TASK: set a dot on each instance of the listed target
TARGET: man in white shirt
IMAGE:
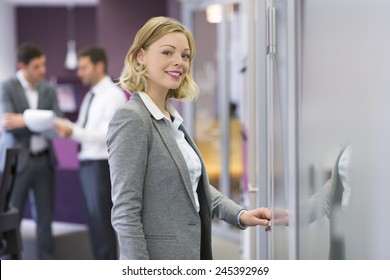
(36, 160)
(90, 130)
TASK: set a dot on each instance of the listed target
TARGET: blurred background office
(303, 77)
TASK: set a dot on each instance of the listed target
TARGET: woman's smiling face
(167, 61)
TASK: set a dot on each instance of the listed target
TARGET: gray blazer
(13, 100)
(154, 211)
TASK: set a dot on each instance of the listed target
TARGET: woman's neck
(160, 100)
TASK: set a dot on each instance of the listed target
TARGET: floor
(224, 249)
(225, 242)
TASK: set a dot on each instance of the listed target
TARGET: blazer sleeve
(7, 105)
(127, 143)
(5, 102)
(320, 202)
(224, 208)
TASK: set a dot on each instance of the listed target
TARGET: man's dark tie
(86, 115)
(87, 111)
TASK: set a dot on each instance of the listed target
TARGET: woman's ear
(141, 56)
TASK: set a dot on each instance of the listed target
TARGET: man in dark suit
(36, 160)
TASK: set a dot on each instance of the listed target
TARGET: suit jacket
(13, 100)
(154, 212)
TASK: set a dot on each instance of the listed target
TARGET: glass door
(344, 97)
(280, 130)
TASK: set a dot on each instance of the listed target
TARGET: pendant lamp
(71, 54)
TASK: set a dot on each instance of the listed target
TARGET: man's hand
(12, 121)
(62, 127)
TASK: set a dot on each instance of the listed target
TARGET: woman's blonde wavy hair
(134, 77)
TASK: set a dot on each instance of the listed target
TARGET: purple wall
(112, 24)
(117, 23)
(48, 27)
(174, 9)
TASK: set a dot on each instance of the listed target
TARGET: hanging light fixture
(71, 54)
(214, 13)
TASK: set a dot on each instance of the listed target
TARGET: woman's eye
(186, 56)
(168, 53)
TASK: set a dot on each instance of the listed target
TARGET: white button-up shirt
(191, 158)
(108, 97)
(38, 143)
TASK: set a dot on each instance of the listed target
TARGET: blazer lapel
(176, 155)
(21, 97)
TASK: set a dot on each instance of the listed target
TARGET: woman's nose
(177, 60)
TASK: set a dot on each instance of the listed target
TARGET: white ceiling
(52, 2)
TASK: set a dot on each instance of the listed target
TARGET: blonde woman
(163, 202)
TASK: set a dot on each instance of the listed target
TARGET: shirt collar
(155, 111)
(25, 84)
(99, 87)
